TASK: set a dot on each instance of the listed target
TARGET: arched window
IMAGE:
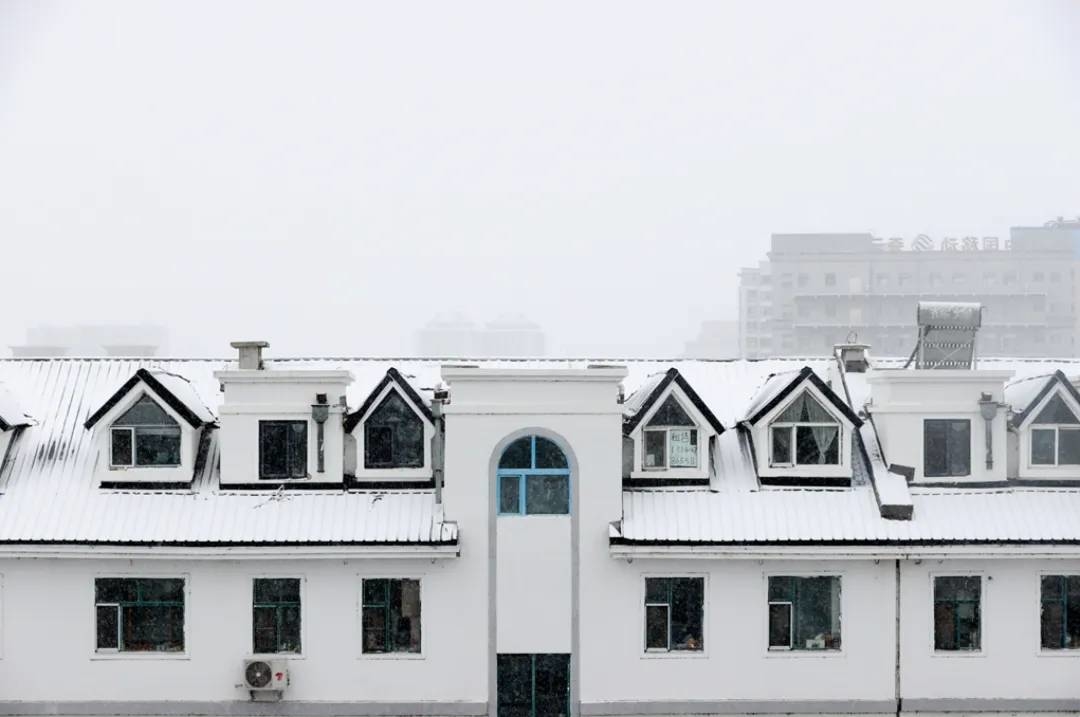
(533, 478)
(145, 436)
(805, 434)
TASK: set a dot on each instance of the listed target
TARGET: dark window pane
(960, 448)
(1068, 447)
(547, 495)
(374, 629)
(671, 413)
(944, 626)
(297, 449)
(687, 598)
(153, 628)
(107, 638)
(510, 494)
(161, 589)
(967, 626)
(405, 615)
(781, 445)
(264, 629)
(282, 449)
(375, 592)
(115, 590)
(657, 590)
(549, 455)
(946, 448)
(121, 447)
(817, 614)
(1052, 619)
(656, 627)
(1043, 449)
(817, 445)
(514, 685)
(378, 446)
(157, 446)
(781, 588)
(1056, 411)
(289, 639)
(145, 412)
(518, 454)
(396, 435)
(805, 409)
(779, 624)
(655, 449)
(956, 612)
(552, 685)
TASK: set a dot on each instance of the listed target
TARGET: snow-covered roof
(175, 390)
(12, 413)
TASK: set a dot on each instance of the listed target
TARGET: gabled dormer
(148, 431)
(1046, 423)
(667, 431)
(389, 437)
(801, 431)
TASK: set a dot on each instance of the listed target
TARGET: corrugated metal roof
(11, 410)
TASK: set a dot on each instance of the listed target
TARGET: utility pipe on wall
(437, 443)
(320, 411)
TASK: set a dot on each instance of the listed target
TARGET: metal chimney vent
(946, 334)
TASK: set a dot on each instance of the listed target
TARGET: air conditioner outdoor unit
(264, 677)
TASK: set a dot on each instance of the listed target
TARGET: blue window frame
(533, 478)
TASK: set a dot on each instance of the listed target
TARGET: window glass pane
(264, 629)
(547, 495)
(374, 629)
(1042, 447)
(115, 590)
(1056, 411)
(510, 494)
(944, 626)
(272, 456)
(1052, 614)
(157, 446)
(552, 685)
(817, 445)
(655, 448)
(687, 598)
(671, 413)
(378, 446)
(514, 685)
(946, 448)
(518, 454)
(297, 449)
(397, 435)
(121, 447)
(657, 590)
(656, 627)
(161, 589)
(781, 445)
(145, 412)
(289, 639)
(375, 591)
(956, 612)
(106, 627)
(960, 448)
(935, 458)
(684, 449)
(152, 628)
(549, 455)
(805, 409)
(967, 626)
(817, 613)
(1068, 447)
(780, 624)
(405, 613)
(781, 588)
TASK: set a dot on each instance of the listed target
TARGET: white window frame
(1056, 428)
(423, 472)
(666, 430)
(762, 439)
(1040, 651)
(117, 654)
(705, 434)
(790, 652)
(359, 639)
(1055, 470)
(793, 429)
(670, 654)
(983, 597)
(303, 615)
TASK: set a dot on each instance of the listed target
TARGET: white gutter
(239, 552)
(844, 552)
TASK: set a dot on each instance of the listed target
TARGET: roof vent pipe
(250, 354)
(852, 356)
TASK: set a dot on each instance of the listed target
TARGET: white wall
(533, 584)
(736, 664)
(1011, 663)
(49, 633)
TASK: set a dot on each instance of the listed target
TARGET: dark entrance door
(533, 685)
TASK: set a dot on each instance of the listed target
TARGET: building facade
(814, 290)
(524, 539)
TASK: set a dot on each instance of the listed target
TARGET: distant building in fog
(717, 339)
(454, 334)
(814, 290)
(132, 340)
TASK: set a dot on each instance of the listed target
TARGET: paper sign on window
(683, 448)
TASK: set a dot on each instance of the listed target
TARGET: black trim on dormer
(806, 374)
(144, 376)
(672, 374)
(1057, 377)
(392, 376)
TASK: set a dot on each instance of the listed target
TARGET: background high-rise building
(129, 340)
(452, 335)
(815, 290)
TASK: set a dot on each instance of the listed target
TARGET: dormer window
(145, 435)
(671, 438)
(805, 434)
(393, 435)
(1055, 435)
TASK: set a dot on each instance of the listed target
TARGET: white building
(524, 539)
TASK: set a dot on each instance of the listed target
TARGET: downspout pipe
(897, 697)
(988, 409)
(438, 443)
(320, 411)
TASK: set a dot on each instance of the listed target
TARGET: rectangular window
(139, 614)
(946, 447)
(1060, 614)
(957, 621)
(275, 615)
(674, 610)
(670, 448)
(804, 613)
(533, 685)
(283, 449)
(656, 449)
(145, 446)
(1055, 446)
(391, 615)
(123, 442)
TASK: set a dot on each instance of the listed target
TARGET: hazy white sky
(328, 176)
